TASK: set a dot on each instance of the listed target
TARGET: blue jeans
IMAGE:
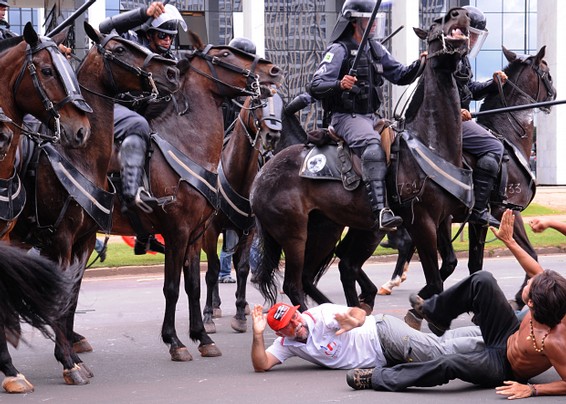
(225, 263)
(480, 294)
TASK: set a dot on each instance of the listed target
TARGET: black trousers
(480, 294)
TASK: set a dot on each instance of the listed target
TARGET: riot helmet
(166, 25)
(358, 8)
(243, 44)
(4, 3)
(478, 30)
(352, 10)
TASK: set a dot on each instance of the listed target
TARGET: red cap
(279, 315)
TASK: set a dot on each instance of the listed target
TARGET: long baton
(354, 69)
(70, 19)
(518, 108)
(391, 35)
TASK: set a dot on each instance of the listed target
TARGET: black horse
(529, 81)
(305, 217)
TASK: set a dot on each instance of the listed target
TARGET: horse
(32, 71)
(256, 131)
(291, 210)
(34, 290)
(72, 198)
(529, 81)
(187, 144)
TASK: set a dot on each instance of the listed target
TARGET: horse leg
(294, 249)
(211, 278)
(406, 250)
(520, 235)
(239, 322)
(191, 273)
(14, 381)
(446, 250)
(477, 234)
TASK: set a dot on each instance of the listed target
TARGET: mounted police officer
(354, 101)
(154, 27)
(5, 32)
(476, 140)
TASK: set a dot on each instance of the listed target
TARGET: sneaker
(359, 379)
(417, 303)
(226, 279)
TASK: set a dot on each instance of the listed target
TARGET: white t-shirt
(357, 348)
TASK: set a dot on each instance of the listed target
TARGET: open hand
(514, 390)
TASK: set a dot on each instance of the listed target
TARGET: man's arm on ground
(261, 359)
(505, 234)
(353, 318)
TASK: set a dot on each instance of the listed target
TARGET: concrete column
(97, 13)
(551, 130)
(405, 44)
(254, 23)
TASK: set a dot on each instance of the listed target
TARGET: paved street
(121, 315)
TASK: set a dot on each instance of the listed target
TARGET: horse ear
(30, 35)
(93, 34)
(61, 36)
(509, 55)
(196, 41)
(421, 33)
(540, 55)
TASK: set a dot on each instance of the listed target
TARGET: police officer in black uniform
(5, 32)
(476, 140)
(154, 27)
(354, 101)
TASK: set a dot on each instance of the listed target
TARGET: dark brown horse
(291, 210)
(32, 68)
(255, 134)
(70, 197)
(183, 170)
(529, 81)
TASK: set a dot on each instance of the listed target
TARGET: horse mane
(292, 132)
(9, 43)
(415, 102)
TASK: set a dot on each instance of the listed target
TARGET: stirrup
(392, 226)
(140, 203)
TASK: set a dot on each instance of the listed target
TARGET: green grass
(120, 254)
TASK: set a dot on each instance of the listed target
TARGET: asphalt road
(122, 315)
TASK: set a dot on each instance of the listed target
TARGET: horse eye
(47, 71)
(226, 54)
(120, 50)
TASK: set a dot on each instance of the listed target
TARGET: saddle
(323, 163)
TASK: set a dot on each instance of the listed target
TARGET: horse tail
(269, 254)
(32, 288)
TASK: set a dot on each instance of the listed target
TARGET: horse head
(44, 85)
(447, 39)
(262, 119)
(231, 71)
(131, 67)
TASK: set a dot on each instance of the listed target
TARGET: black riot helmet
(4, 3)
(477, 19)
(243, 44)
(358, 8)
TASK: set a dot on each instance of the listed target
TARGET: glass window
(514, 31)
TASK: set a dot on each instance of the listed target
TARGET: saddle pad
(321, 163)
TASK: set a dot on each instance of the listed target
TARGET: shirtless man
(515, 352)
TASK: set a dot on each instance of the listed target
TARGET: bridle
(543, 77)
(66, 75)
(252, 83)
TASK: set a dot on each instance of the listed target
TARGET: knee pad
(489, 163)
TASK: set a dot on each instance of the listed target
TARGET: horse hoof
(180, 354)
(74, 376)
(82, 346)
(239, 325)
(209, 350)
(383, 291)
(413, 320)
(216, 312)
(247, 310)
(366, 307)
(17, 384)
(210, 327)
(85, 370)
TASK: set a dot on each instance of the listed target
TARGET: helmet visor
(378, 28)
(477, 39)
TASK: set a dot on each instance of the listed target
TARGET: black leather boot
(374, 168)
(132, 159)
(483, 186)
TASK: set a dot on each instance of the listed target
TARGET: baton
(354, 69)
(70, 19)
(518, 108)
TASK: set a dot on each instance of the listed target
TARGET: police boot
(374, 168)
(485, 176)
(132, 159)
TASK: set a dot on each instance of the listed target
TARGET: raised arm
(541, 224)
(505, 234)
(261, 359)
